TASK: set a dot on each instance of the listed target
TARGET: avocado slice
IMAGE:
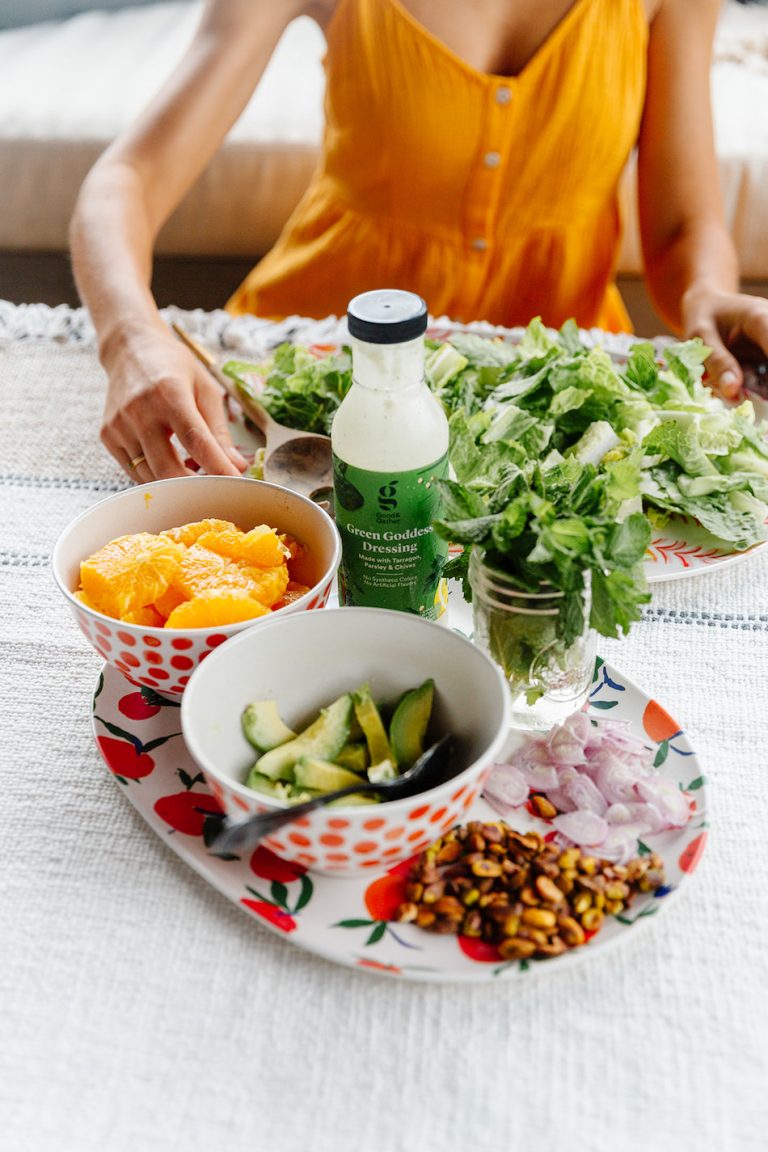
(263, 726)
(355, 731)
(354, 799)
(354, 756)
(325, 737)
(410, 720)
(279, 789)
(371, 723)
(384, 770)
(323, 775)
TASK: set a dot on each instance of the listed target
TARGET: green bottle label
(391, 557)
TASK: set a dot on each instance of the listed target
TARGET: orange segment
(213, 608)
(189, 534)
(81, 596)
(295, 549)
(195, 576)
(130, 572)
(201, 569)
(261, 546)
(169, 600)
(147, 617)
(267, 585)
(293, 592)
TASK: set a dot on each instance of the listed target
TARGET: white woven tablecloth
(139, 1010)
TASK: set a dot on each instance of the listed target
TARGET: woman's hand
(157, 388)
(734, 326)
(690, 259)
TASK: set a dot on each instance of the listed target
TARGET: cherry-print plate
(349, 921)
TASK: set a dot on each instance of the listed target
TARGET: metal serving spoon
(298, 460)
(240, 835)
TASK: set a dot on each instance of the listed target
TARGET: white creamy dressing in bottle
(390, 442)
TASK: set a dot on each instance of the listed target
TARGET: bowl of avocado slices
(319, 701)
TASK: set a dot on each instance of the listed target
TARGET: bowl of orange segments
(159, 575)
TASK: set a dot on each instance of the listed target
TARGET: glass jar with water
(548, 678)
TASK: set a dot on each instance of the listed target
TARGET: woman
(472, 154)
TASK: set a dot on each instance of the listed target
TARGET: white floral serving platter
(349, 921)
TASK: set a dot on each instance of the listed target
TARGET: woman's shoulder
(695, 9)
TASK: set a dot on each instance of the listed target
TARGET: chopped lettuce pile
(697, 457)
(299, 387)
(561, 456)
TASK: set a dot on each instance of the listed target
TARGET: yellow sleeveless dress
(493, 197)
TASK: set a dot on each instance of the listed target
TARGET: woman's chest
(500, 37)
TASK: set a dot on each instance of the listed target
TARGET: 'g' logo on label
(388, 496)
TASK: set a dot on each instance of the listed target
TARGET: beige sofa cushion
(67, 88)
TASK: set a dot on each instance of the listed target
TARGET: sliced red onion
(559, 796)
(636, 760)
(620, 844)
(567, 741)
(616, 782)
(640, 812)
(612, 732)
(666, 798)
(561, 800)
(600, 778)
(506, 787)
(532, 751)
(582, 827)
(613, 739)
(540, 777)
(585, 795)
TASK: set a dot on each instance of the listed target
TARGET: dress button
(503, 94)
(492, 159)
(479, 244)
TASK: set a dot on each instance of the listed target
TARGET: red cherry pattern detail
(187, 811)
(480, 950)
(267, 865)
(135, 707)
(276, 916)
(403, 867)
(123, 759)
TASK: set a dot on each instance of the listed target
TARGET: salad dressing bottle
(390, 442)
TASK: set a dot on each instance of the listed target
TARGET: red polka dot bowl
(306, 661)
(164, 658)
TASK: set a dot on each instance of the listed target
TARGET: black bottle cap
(387, 316)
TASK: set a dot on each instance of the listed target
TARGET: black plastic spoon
(240, 835)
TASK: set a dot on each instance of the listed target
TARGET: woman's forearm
(111, 242)
(699, 259)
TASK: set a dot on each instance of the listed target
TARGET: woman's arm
(155, 385)
(691, 265)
